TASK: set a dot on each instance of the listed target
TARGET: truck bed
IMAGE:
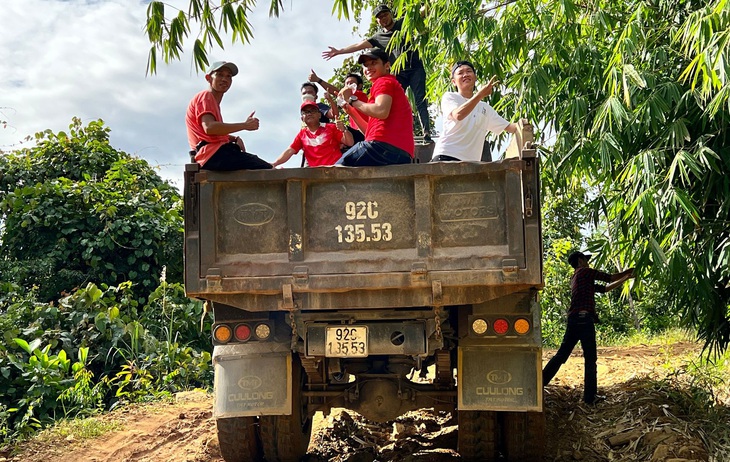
(368, 237)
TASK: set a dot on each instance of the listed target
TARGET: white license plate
(346, 342)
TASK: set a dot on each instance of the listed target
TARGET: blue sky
(87, 58)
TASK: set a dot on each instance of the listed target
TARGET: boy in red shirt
(320, 142)
(387, 116)
(210, 138)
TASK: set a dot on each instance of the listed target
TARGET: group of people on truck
(380, 133)
(380, 129)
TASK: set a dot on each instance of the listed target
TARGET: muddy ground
(646, 417)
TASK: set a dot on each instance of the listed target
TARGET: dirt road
(642, 420)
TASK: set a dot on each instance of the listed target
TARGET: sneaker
(427, 139)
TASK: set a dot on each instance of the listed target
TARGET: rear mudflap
(500, 378)
(252, 380)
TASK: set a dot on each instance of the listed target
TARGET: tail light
(508, 326)
(501, 326)
(522, 326)
(243, 332)
(262, 331)
(222, 333)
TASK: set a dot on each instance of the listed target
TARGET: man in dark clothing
(411, 75)
(581, 320)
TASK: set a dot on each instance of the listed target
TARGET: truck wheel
(477, 436)
(285, 438)
(238, 439)
(524, 436)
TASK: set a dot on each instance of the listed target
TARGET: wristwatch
(353, 98)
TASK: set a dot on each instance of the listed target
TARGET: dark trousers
(580, 328)
(416, 79)
(231, 157)
(445, 158)
(374, 154)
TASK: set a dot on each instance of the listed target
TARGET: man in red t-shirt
(320, 142)
(209, 137)
(387, 116)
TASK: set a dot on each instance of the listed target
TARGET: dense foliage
(632, 98)
(92, 311)
(636, 96)
(75, 210)
(95, 349)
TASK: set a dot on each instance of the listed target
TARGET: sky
(88, 58)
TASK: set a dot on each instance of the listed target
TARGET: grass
(667, 337)
(701, 389)
(698, 383)
(81, 429)
(65, 431)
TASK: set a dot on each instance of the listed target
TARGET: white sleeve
(495, 122)
(449, 102)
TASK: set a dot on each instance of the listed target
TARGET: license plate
(346, 342)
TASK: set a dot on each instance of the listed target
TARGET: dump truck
(381, 290)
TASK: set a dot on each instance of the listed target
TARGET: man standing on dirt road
(582, 318)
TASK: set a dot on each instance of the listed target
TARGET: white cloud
(88, 59)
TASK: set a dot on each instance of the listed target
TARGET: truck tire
(477, 436)
(524, 436)
(285, 438)
(238, 439)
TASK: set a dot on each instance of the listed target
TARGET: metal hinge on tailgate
(288, 297)
(213, 280)
(301, 275)
(509, 268)
(528, 203)
(419, 272)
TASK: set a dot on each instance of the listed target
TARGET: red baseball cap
(308, 103)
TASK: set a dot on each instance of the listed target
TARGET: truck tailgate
(395, 236)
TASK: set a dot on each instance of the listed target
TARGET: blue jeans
(416, 79)
(374, 154)
(581, 328)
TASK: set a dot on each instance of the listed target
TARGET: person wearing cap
(320, 142)
(211, 139)
(309, 93)
(387, 117)
(412, 74)
(467, 118)
(582, 318)
(352, 80)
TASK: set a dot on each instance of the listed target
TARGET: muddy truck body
(380, 290)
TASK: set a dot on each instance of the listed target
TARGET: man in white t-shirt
(467, 118)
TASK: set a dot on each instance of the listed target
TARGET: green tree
(631, 96)
(76, 210)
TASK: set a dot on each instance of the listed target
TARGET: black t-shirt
(381, 40)
(323, 109)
